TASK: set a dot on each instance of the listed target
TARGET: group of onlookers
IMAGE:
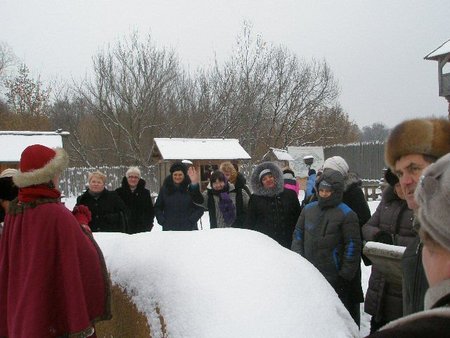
(53, 276)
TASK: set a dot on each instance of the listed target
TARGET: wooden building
(279, 156)
(205, 154)
(14, 142)
(442, 56)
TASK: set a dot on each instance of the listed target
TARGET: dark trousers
(353, 308)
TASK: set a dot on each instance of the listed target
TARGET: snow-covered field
(220, 251)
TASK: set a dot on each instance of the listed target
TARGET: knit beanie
(433, 195)
(178, 166)
(325, 185)
(418, 136)
(263, 173)
(40, 164)
(336, 163)
(288, 173)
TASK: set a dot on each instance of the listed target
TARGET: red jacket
(53, 278)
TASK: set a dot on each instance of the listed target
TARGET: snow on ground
(226, 263)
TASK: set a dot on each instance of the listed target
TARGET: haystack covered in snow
(217, 283)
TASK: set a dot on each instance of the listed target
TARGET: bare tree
(375, 132)
(26, 96)
(262, 94)
(131, 94)
(7, 58)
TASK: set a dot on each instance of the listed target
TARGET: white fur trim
(44, 174)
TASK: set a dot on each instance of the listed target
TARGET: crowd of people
(329, 228)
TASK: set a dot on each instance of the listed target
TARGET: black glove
(383, 237)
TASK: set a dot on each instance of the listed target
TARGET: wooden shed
(279, 156)
(14, 142)
(205, 154)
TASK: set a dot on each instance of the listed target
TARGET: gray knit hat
(433, 195)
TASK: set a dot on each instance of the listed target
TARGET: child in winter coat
(327, 234)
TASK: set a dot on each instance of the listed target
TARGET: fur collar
(257, 186)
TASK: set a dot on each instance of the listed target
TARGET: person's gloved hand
(383, 237)
(82, 214)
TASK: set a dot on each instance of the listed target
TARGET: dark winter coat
(107, 209)
(415, 283)
(139, 204)
(354, 197)
(174, 207)
(432, 323)
(272, 212)
(210, 201)
(241, 183)
(327, 234)
(392, 218)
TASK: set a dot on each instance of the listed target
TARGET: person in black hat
(174, 207)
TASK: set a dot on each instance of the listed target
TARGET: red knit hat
(39, 164)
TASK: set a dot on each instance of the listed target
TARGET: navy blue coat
(174, 208)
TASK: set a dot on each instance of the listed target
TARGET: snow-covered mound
(223, 283)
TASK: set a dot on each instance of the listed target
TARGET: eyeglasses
(135, 177)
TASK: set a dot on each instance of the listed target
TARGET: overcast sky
(374, 48)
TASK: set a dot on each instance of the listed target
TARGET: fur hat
(178, 166)
(418, 136)
(433, 195)
(336, 163)
(256, 184)
(39, 164)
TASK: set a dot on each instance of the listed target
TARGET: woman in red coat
(53, 279)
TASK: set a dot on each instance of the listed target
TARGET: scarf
(34, 192)
(227, 208)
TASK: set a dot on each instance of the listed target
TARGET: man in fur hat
(53, 279)
(411, 147)
(432, 193)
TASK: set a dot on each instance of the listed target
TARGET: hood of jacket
(336, 180)
(352, 179)
(257, 186)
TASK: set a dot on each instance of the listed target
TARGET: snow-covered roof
(281, 154)
(441, 50)
(14, 142)
(199, 149)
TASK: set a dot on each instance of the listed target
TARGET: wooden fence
(366, 159)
